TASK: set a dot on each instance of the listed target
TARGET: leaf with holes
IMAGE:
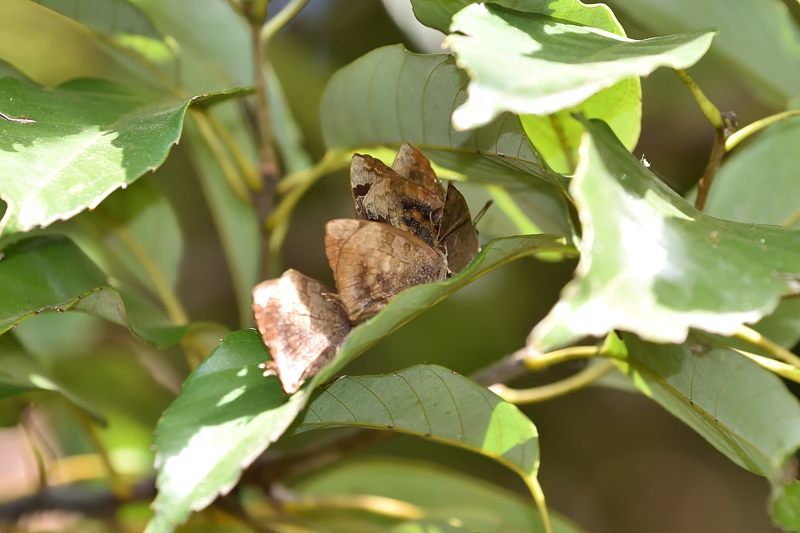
(530, 63)
(557, 137)
(656, 266)
(51, 274)
(228, 413)
(436, 403)
(391, 96)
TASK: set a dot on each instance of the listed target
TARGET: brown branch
(98, 503)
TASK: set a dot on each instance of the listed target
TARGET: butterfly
(301, 322)
(409, 197)
(373, 261)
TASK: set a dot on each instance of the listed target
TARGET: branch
(75, 498)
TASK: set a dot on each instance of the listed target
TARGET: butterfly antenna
(482, 212)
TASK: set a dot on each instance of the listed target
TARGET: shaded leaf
(228, 413)
(89, 138)
(110, 17)
(741, 409)
(619, 106)
(529, 63)
(390, 96)
(445, 496)
(215, 53)
(758, 182)
(21, 373)
(654, 265)
(44, 31)
(133, 235)
(760, 38)
(436, 403)
(51, 274)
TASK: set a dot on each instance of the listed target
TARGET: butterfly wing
(300, 324)
(373, 262)
(457, 236)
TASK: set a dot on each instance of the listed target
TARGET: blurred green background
(611, 461)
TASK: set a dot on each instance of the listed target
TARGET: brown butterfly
(409, 196)
(302, 324)
(412, 201)
(372, 262)
(457, 236)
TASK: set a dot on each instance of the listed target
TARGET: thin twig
(751, 129)
(773, 348)
(724, 125)
(542, 393)
(76, 498)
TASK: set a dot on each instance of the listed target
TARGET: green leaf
(772, 198)
(654, 265)
(89, 138)
(215, 53)
(442, 494)
(436, 403)
(110, 17)
(225, 416)
(557, 137)
(228, 413)
(439, 13)
(134, 235)
(785, 506)
(51, 274)
(529, 63)
(20, 373)
(80, 51)
(390, 96)
(759, 38)
(743, 410)
(288, 136)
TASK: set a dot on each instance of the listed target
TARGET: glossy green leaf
(51, 274)
(557, 137)
(530, 63)
(228, 413)
(215, 54)
(390, 96)
(20, 373)
(44, 31)
(743, 410)
(759, 38)
(654, 265)
(88, 138)
(444, 496)
(436, 403)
